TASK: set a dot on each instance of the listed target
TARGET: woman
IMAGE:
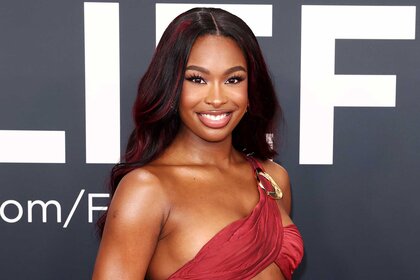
(189, 204)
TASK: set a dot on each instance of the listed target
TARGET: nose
(216, 96)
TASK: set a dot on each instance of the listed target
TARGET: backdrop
(347, 75)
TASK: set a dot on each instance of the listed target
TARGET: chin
(215, 136)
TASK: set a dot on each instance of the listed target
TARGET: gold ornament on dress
(277, 193)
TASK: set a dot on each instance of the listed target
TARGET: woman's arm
(134, 221)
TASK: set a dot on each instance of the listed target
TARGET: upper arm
(134, 221)
(281, 177)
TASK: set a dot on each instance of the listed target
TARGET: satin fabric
(247, 246)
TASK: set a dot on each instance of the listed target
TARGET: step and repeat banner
(347, 74)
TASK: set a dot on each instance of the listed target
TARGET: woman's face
(214, 94)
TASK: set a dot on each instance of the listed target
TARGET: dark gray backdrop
(359, 217)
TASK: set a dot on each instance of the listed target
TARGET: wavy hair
(155, 110)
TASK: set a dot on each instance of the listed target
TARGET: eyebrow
(206, 71)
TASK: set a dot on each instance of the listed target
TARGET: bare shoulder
(138, 188)
(141, 180)
(134, 222)
(281, 177)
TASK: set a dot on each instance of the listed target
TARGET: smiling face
(214, 94)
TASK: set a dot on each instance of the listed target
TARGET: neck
(188, 148)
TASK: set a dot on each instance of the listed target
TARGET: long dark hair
(155, 109)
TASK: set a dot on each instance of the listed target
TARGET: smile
(215, 120)
(215, 117)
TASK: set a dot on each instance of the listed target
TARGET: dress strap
(264, 180)
(255, 163)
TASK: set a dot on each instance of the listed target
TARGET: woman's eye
(234, 80)
(196, 79)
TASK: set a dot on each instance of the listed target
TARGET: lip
(215, 119)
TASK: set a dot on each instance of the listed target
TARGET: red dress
(247, 246)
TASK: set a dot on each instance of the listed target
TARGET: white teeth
(214, 117)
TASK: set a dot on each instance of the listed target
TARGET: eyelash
(196, 76)
(236, 77)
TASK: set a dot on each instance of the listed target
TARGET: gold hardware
(277, 193)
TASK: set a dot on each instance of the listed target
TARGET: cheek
(189, 98)
(240, 96)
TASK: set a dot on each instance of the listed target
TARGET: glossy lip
(215, 124)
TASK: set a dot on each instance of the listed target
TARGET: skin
(162, 214)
